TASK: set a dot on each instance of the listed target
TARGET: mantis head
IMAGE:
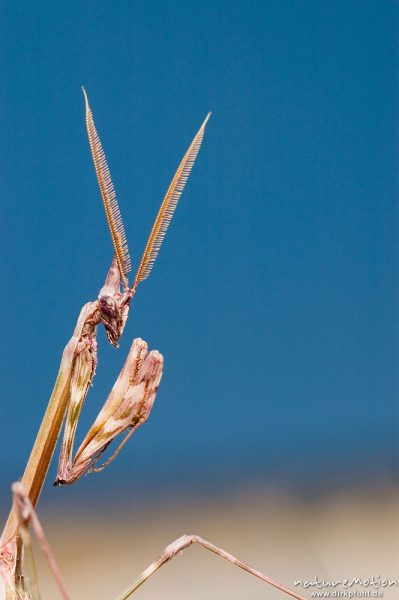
(113, 305)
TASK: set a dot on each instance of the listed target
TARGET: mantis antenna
(110, 201)
(112, 211)
(168, 206)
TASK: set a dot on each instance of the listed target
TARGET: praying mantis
(133, 394)
(128, 405)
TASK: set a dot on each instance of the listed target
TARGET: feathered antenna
(109, 197)
(168, 206)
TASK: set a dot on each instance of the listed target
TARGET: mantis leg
(26, 514)
(40, 457)
(184, 542)
(83, 371)
(128, 406)
(28, 517)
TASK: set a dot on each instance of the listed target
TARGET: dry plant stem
(26, 515)
(40, 457)
(176, 547)
(34, 476)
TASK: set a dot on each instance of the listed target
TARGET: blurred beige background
(343, 534)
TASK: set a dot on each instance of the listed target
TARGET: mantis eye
(108, 305)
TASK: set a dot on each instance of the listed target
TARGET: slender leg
(185, 541)
(27, 516)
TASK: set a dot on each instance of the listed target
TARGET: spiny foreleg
(128, 406)
(83, 371)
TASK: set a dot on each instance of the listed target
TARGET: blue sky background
(274, 296)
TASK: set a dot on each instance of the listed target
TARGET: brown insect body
(120, 413)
